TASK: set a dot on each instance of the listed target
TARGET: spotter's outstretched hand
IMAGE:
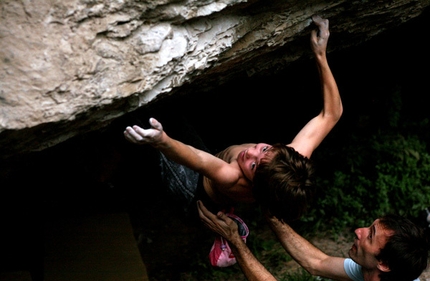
(219, 223)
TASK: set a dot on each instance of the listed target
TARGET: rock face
(71, 67)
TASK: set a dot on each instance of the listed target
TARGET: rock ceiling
(72, 67)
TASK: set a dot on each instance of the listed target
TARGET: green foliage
(376, 172)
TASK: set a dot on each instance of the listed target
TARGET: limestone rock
(70, 67)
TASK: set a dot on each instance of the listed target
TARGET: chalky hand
(138, 135)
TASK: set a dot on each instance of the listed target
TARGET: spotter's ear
(382, 266)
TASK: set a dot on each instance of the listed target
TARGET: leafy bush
(384, 170)
(385, 173)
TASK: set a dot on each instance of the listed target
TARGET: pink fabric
(220, 254)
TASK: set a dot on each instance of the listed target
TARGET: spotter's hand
(219, 223)
(152, 136)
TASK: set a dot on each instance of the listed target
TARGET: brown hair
(284, 183)
(406, 251)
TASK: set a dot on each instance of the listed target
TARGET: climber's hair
(284, 183)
